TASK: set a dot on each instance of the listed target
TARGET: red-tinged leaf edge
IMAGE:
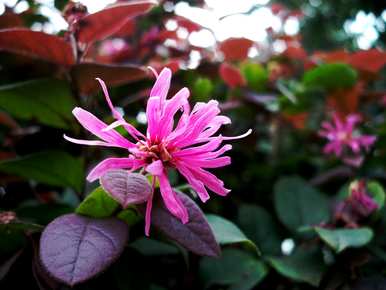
(196, 235)
(84, 75)
(37, 44)
(106, 22)
(76, 248)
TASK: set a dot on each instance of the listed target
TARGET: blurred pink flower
(357, 206)
(188, 146)
(360, 199)
(344, 141)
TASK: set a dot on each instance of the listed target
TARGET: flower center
(155, 152)
(342, 136)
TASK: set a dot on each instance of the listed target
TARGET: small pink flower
(361, 201)
(344, 141)
(357, 206)
(188, 145)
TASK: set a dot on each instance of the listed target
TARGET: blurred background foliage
(282, 85)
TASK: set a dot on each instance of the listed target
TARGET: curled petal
(113, 163)
(162, 85)
(196, 184)
(115, 112)
(237, 137)
(88, 142)
(172, 202)
(96, 126)
(210, 181)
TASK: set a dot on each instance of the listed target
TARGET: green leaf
(12, 235)
(130, 215)
(260, 227)
(98, 204)
(340, 239)
(235, 268)
(331, 76)
(256, 76)
(227, 232)
(49, 101)
(298, 204)
(51, 167)
(202, 89)
(43, 214)
(150, 247)
(377, 192)
(302, 266)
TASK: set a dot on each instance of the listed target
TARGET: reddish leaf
(75, 248)
(231, 75)
(235, 48)
(104, 23)
(84, 75)
(36, 44)
(125, 187)
(295, 52)
(127, 29)
(10, 19)
(297, 120)
(189, 25)
(196, 235)
(346, 101)
(333, 56)
(370, 61)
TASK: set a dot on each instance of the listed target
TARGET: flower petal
(155, 168)
(96, 126)
(172, 202)
(113, 163)
(162, 85)
(88, 142)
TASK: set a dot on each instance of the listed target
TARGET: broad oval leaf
(47, 101)
(235, 48)
(344, 76)
(298, 204)
(84, 75)
(74, 248)
(304, 265)
(102, 24)
(234, 268)
(97, 204)
(51, 167)
(256, 76)
(196, 235)
(340, 239)
(370, 61)
(227, 232)
(231, 75)
(261, 228)
(37, 44)
(126, 187)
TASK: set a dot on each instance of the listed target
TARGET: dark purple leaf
(84, 75)
(75, 248)
(37, 44)
(102, 24)
(196, 235)
(125, 187)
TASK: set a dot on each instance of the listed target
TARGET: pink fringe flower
(344, 141)
(357, 206)
(188, 145)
